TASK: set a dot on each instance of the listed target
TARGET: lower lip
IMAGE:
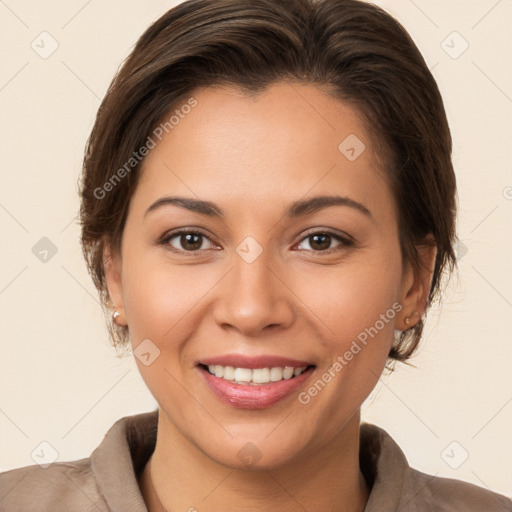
(259, 396)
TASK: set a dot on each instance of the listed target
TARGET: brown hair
(361, 53)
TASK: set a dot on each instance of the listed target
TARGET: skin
(253, 157)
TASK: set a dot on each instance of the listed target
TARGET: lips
(256, 394)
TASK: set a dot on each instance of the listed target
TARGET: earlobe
(417, 284)
(112, 270)
(410, 320)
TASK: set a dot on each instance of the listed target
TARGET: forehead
(290, 139)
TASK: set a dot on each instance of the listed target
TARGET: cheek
(151, 300)
(160, 296)
(160, 302)
(359, 305)
(352, 298)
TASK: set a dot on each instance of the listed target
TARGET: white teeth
(255, 376)
(276, 374)
(260, 375)
(243, 375)
(229, 373)
(288, 372)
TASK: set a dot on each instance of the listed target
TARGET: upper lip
(251, 362)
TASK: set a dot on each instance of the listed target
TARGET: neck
(178, 476)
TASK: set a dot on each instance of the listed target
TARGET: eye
(187, 241)
(194, 241)
(321, 241)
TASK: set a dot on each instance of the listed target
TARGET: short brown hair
(356, 49)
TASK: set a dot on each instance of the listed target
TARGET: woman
(268, 208)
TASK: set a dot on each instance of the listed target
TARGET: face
(265, 314)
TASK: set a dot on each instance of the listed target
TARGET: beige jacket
(106, 481)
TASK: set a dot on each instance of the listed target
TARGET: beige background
(61, 382)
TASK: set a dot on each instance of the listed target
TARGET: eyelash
(345, 241)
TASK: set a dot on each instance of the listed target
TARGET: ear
(416, 284)
(112, 270)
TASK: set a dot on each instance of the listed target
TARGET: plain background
(61, 381)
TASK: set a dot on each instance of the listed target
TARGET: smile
(256, 376)
(258, 386)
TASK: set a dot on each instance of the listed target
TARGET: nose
(254, 297)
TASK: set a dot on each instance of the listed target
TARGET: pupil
(189, 241)
(320, 246)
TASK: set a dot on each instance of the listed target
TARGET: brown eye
(187, 241)
(191, 241)
(321, 242)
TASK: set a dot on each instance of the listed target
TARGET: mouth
(254, 376)
(253, 385)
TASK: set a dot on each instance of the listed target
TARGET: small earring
(408, 318)
(115, 315)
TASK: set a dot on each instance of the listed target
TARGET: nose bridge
(252, 297)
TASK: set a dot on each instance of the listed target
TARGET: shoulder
(104, 481)
(448, 494)
(395, 485)
(63, 486)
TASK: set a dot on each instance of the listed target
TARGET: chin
(252, 452)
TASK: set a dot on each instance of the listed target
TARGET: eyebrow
(296, 209)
